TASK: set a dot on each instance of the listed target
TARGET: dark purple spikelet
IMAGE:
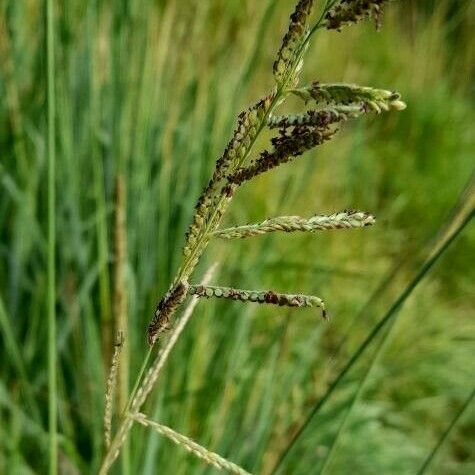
(167, 305)
(311, 118)
(287, 146)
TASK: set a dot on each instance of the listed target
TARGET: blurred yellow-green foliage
(151, 89)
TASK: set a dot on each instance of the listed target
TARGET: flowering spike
(286, 148)
(337, 94)
(316, 118)
(258, 296)
(343, 220)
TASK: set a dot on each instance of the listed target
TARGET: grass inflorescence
(242, 375)
(236, 167)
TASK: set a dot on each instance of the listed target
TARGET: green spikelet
(289, 53)
(368, 98)
(343, 220)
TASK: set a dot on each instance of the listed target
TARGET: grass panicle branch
(211, 458)
(258, 296)
(286, 147)
(111, 386)
(289, 224)
(341, 94)
(316, 118)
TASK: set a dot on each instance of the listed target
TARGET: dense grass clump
(145, 97)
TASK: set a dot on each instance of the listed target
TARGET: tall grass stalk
(51, 137)
(384, 324)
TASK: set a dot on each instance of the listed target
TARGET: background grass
(151, 90)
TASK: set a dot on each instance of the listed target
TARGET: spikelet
(258, 296)
(346, 12)
(289, 53)
(368, 98)
(343, 220)
(286, 148)
(161, 319)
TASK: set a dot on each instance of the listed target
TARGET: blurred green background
(151, 90)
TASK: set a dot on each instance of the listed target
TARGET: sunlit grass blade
(51, 137)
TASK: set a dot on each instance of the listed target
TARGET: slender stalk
(446, 433)
(120, 305)
(434, 254)
(51, 133)
(139, 377)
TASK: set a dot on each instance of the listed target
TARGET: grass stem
(51, 277)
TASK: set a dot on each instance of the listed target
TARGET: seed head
(342, 220)
(315, 118)
(286, 148)
(368, 99)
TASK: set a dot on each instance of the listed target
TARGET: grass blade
(51, 114)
